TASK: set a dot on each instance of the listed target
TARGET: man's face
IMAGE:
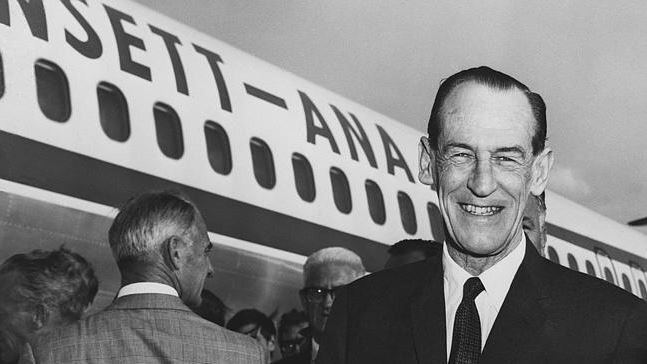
(533, 224)
(293, 342)
(484, 167)
(197, 266)
(253, 330)
(327, 277)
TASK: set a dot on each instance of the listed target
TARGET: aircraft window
(407, 213)
(589, 268)
(436, 221)
(608, 275)
(1, 77)
(340, 190)
(168, 130)
(303, 178)
(218, 149)
(626, 283)
(263, 163)
(643, 290)
(572, 263)
(375, 202)
(53, 91)
(113, 112)
(552, 254)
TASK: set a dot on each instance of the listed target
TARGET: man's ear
(540, 171)
(304, 302)
(174, 251)
(426, 162)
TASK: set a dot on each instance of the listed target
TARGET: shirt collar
(496, 280)
(147, 287)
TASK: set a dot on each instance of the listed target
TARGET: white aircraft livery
(104, 99)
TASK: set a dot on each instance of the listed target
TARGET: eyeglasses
(318, 294)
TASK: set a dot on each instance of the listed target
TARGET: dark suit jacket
(550, 315)
(146, 328)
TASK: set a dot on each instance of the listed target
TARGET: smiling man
(489, 297)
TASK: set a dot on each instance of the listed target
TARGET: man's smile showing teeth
(480, 210)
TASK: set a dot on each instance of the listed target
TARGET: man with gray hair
(323, 273)
(161, 246)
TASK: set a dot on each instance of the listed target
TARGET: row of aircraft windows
(606, 273)
(54, 101)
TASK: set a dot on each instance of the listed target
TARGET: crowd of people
(484, 295)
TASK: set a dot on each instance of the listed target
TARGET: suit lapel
(428, 315)
(521, 319)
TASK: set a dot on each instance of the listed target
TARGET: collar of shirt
(147, 287)
(496, 280)
(315, 350)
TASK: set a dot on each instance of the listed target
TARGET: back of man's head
(44, 289)
(145, 222)
(411, 250)
(333, 256)
(257, 325)
(496, 80)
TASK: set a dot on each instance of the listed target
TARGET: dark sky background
(587, 58)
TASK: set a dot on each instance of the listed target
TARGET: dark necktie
(466, 340)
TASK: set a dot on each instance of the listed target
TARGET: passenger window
(436, 222)
(407, 213)
(218, 149)
(606, 266)
(590, 269)
(53, 91)
(168, 130)
(263, 163)
(303, 177)
(608, 275)
(552, 254)
(113, 112)
(643, 290)
(375, 202)
(572, 263)
(1, 77)
(340, 190)
(626, 283)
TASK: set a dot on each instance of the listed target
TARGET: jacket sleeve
(632, 344)
(333, 346)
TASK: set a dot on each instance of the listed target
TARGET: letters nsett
(92, 48)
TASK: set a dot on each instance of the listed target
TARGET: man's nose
(328, 300)
(481, 180)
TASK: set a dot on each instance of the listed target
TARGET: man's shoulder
(569, 286)
(114, 330)
(398, 281)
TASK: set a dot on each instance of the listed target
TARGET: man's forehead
(330, 272)
(504, 114)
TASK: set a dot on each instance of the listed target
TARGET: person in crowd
(411, 250)
(489, 297)
(324, 272)
(258, 326)
(534, 222)
(160, 243)
(294, 333)
(211, 308)
(40, 291)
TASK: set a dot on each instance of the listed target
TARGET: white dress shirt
(496, 280)
(147, 287)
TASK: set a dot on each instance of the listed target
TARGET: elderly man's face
(484, 167)
(534, 224)
(318, 306)
(197, 266)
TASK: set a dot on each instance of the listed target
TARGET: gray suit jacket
(146, 328)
